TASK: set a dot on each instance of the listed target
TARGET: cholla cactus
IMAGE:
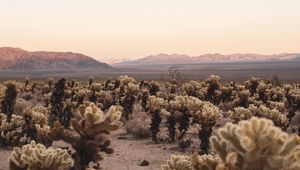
(178, 162)
(213, 85)
(205, 162)
(7, 104)
(153, 87)
(277, 94)
(243, 97)
(39, 115)
(239, 113)
(206, 117)
(155, 105)
(37, 157)
(262, 91)
(206, 114)
(180, 105)
(191, 88)
(11, 132)
(144, 99)
(226, 92)
(124, 80)
(91, 80)
(276, 116)
(27, 80)
(256, 144)
(127, 102)
(36, 125)
(252, 85)
(50, 82)
(56, 101)
(294, 98)
(89, 135)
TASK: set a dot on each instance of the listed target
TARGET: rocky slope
(18, 59)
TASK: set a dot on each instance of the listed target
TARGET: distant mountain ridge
(19, 59)
(209, 58)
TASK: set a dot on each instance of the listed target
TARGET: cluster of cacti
(252, 144)
(256, 144)
(32, 125)
(36, 125)
(170, 108)
(11, 131)
(88, 136)
(241, 113)
(178, 162)
(34, 156)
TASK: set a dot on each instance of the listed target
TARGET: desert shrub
(21, 105)
(139, 125)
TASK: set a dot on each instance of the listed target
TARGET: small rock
(144, 163)
(164, 148)
(122, 137)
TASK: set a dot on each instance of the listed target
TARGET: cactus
(178, 163)
(7, 104)
(155, 105)
(249, 145)
(256, 144)
(37, 157)
(89, 134)
(128, 100)
(56, 101)
(180, 106)
(153, 88)
(206, 115)
(11, 132)
(213, 86)
(171, 122)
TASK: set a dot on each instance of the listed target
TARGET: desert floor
(129, 152)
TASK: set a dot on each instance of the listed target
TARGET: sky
(113, 30)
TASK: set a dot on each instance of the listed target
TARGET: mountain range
(209, 58)
(19, 59)
(22, 60)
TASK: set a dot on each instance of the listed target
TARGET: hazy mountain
(18, 59)
(208, 58)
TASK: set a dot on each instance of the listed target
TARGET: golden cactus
(89, 135)
(37, 157)
(256, 144)
(178, 162)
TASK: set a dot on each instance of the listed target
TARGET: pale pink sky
(117, 29)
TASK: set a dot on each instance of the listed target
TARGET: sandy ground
(129, 153)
